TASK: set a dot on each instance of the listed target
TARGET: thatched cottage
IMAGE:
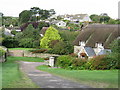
(95, 40)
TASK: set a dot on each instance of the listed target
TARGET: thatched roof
(98, 33)
(43, 30)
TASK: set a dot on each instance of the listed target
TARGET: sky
(14, 7)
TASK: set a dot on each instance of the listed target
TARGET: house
(59, 23)
(95, 40)
(42, 31)
(77, 18)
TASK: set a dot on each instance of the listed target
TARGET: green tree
(51, 34)
(42, 24)
(104, 19)
(112, 21)
(30, 34)
(25, 16)
(95, 18)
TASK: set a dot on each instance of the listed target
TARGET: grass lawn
(12, 77)
(20, 48)
(95, 78)
(28, 59)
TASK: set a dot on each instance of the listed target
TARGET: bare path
(46, 80)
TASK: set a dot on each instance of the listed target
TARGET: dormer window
(99, 45)
(82, 43)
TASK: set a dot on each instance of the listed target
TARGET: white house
(77, 18)
(59, 23)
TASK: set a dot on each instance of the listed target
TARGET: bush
(101, 62)
(38, 50)
(65, 61)
(79, 64)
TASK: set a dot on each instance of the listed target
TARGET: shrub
(73, 55)
(38, 50)
(79, 64)
(65, 61)
(102, 62)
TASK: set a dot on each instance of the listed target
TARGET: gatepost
(51, 61)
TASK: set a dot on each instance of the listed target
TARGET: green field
(20, 48)
(95, 78)
(12, 77)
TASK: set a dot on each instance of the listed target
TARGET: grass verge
(95, 78)
(12, 77)
(28, 59)
(20, 48)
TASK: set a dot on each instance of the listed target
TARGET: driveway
(45, 79)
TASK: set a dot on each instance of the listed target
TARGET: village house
(77, 18)
(59, 23)
(95, 40)
(43, 30)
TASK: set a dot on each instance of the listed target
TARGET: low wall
(22, 53)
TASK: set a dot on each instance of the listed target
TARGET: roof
(76, 16)
(103, 52)
(43, 30)
(98, 34)
(89, 51)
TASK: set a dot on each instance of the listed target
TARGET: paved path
(46, 80)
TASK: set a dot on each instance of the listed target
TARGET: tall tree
(51, 34)
(25, 16)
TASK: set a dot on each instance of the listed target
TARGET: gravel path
(46, 80)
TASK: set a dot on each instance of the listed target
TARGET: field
(95, 78)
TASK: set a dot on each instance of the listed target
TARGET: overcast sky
(14, 7)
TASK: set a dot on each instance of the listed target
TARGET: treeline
(105, 19)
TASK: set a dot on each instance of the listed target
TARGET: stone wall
(22, 53)
(17, 53)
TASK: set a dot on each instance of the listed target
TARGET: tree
(30, 37)
(95, 18)
(104, 19)
(51, 34)
(25, 16)
(42, 24)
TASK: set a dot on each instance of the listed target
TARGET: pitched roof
(89, 51)
(98, 33)
(43, 30)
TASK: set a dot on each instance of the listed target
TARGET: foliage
(64, 61)
(61, 48)
(14, 32)
(29, 37)
(68, 36)
(104, 19)
(38, 50)
(112, 21)
(24, 16)
(95, 18)
(10, 42)
(2, 51)
(7, 21)
(51, 34)
(35, 14)
(26, 42)
(42, 24)
(73, 26)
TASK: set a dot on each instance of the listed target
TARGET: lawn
(28, 59)
(95, 78)
(20, 48)
(12, 77)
